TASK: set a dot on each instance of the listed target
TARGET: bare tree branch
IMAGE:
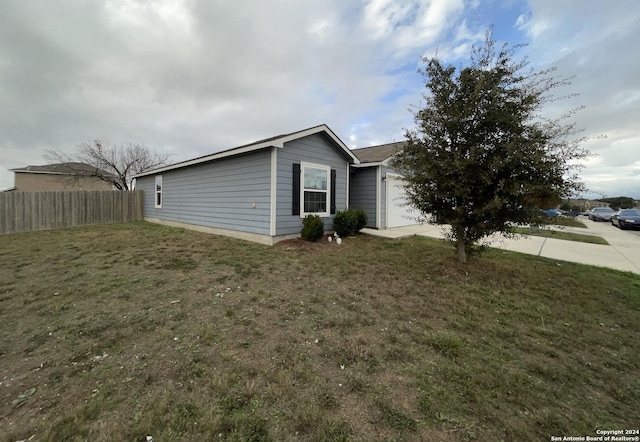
(115, 164)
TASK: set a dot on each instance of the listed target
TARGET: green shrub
(312, 228)
(350, 221)
(343, 223)
(361, 219)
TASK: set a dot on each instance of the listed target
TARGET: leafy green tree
(620, 202)
(482, 155)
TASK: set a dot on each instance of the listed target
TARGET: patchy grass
(122, 331)
(559, 234)
(567, 221)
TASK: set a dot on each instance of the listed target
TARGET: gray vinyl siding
(146, 184)
(312, 149)
(362, 192)
(218, 194)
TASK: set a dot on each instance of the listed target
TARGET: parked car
(601, 214)
(614, 217)
(551, 212)
(626, 219)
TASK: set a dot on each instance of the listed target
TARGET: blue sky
(197, 76)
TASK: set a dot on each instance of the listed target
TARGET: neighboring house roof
(61, 169)
(378, 154)
(277, 141)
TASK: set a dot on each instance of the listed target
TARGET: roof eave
(206, 159)
(45, 172)
(339, 142)
(371, 164)
(277, 142)
(386, 162)
(389, 159)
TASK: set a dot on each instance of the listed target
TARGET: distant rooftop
(61, 169)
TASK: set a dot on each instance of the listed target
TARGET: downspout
(378, 196)
(348, 185)
(274, 191)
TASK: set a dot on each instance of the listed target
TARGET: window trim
(327, 169)
(158, 193)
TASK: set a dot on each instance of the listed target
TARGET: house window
(158, 191)
(315, 189)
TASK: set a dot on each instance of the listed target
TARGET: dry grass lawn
(126, 331)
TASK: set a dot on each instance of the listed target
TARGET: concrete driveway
(623, 253)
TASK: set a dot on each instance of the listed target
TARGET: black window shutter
(295, 203)
(333, 191)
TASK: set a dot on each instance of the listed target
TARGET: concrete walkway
(623, 253)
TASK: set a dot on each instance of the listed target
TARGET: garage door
(398, 214)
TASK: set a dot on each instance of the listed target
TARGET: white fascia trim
(385, 162)
(379, 163)
(388, 160)
(274, 192)
(215, 156)
(314, 130)
(277, 142)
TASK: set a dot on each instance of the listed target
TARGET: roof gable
(277, 141)
(378, 154)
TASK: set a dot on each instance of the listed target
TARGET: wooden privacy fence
(26, 211)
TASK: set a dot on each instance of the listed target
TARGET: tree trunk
(462, 252)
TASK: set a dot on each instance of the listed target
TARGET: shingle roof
(277, 141)
(61, 169)
(376, 154)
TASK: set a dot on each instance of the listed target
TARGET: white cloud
(596, 46)
(191, 76)
(533, 28)
(197, 76)
(405, 26)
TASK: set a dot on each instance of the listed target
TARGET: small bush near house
(361, 219)
(343, 223)
(312, 228)
(350, 221)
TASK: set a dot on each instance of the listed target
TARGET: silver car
(601, 214)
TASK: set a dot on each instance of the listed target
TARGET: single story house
(59, 176)
(262, 191)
